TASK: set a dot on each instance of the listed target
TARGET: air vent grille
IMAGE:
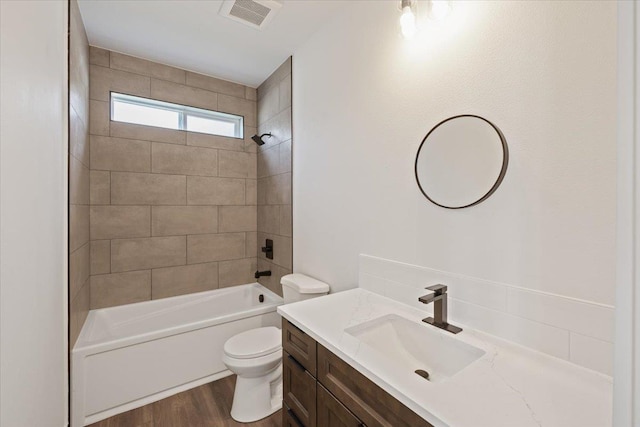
(255, 13)
(250, 11)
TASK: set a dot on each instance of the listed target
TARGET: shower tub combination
(132, 355)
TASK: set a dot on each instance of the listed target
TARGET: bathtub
(132, 355)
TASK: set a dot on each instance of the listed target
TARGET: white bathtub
(131, 355)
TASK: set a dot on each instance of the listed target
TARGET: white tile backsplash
(585, 318)
(578, 331)
(545, 338)
(409, 295)
(475, 291)
(372, 266)
(374, 283)
(591, 353)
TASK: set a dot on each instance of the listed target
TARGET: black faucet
(439, 298)
(259, 274)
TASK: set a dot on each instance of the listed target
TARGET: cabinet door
(299, 345)
(299, 390)
(332, 413)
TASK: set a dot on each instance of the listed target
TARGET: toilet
(255, 356)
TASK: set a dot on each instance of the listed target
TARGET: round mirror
(461, 161)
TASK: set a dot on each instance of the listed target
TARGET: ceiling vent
(255, 13)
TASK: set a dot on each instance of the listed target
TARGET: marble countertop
(509, 386)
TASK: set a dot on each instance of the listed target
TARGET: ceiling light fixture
(439, 9)
(408, 19)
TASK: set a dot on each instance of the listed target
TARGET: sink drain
(424, 374)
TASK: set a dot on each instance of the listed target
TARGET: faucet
(439, 298)
(258, 274)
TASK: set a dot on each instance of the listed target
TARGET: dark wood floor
(205, 406)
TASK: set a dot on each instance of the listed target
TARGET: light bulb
(408, 23)
(440, 9)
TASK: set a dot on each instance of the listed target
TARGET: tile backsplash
(578, 331)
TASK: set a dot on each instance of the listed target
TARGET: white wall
(363, 99)
(33, 214)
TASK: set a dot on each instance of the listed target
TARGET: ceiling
(192, 35)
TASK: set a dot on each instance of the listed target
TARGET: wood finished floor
(206, 406)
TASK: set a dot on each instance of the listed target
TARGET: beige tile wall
(79, 268)
(274, 175)
(172, 212)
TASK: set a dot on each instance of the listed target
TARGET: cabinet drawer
(289, 419)
(299, 390)
(332, 413)
(371, 404)
(299, 345)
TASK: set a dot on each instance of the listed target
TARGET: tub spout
(259, 274)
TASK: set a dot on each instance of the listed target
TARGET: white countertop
(509, 386)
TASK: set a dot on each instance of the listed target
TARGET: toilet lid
(254, 343)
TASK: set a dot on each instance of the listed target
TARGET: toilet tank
(298, 287)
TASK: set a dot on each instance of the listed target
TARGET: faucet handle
(438, 289)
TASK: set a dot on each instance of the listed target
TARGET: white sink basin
(415, 346)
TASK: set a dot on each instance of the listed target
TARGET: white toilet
(256, 357)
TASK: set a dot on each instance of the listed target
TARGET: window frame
(184, 111)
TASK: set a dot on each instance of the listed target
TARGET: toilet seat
(254, 343)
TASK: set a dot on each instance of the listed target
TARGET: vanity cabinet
(322, 390)
(299, 390)
(289, 419)
(333, 413)
(299, 345)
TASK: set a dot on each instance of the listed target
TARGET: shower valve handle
(268, 249)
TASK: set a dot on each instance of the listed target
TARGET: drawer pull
(295, 362)
(295, 419)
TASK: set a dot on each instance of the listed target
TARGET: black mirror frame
(503, 171)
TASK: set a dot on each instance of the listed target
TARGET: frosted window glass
(212, 126)
(144, 115)
(150, 112)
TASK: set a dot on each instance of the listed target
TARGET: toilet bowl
(255, 356)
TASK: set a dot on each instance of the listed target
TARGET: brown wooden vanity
(322, 390)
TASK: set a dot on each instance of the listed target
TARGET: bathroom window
(149, 112)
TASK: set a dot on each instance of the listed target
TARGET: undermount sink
(417, 347)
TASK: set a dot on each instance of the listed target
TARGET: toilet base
(256, 398)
